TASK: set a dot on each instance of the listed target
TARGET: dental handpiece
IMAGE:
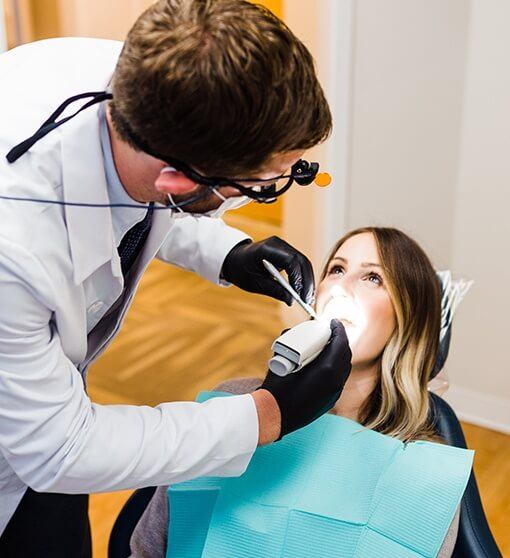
(286, 285)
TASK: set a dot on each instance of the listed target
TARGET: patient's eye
(375, 278)
(335, 270)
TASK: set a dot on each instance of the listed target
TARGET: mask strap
(221, 196)
(173, 205)
(51, 122)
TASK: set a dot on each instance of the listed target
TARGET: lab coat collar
(89, 229)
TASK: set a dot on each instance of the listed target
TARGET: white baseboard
(481, 409)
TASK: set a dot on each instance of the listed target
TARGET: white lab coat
(59, 273)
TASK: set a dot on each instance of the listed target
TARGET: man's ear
(171, 181)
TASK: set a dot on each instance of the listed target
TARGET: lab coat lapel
(89, 229)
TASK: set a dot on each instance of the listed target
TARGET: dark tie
(133, 241)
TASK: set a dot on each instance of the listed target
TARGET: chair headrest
(453, 292)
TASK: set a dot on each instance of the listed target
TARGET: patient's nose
(342, 288)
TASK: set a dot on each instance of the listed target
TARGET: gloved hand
(312, 391)
(244, 268)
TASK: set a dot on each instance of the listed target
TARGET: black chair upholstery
(474, 539)
(129, 516)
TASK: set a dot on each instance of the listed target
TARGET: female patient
(380, 284)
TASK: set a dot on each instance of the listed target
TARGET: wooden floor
(183, 335)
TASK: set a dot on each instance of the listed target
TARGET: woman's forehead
(361, 248)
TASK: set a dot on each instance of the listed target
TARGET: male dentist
(206, 105)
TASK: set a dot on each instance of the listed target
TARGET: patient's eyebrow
(364, 264)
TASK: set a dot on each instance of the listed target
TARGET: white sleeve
(57, 440)
(200, 244)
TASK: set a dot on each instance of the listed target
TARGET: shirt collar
(123, 218)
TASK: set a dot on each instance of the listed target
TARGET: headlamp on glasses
(258, 189)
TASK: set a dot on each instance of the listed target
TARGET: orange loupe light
(323, 180)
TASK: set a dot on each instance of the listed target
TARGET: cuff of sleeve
(241, 435)
(218, 251)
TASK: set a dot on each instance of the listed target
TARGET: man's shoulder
(59, 68)
(62, 48)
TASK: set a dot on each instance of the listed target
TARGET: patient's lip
(332, 314)
(338, 310)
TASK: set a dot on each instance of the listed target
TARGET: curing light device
(301, 344)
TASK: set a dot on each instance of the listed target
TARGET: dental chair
(474, 538)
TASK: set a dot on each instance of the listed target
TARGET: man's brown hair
(221, 85)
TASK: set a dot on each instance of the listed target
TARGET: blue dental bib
(333, 489)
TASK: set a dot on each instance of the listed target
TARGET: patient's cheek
(381, 325)
(387, 317)
(371, 337)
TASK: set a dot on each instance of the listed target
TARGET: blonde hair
(399, 403)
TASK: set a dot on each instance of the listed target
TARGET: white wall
(409, 59)
(3, 37)
(420, 91)
(479, 366)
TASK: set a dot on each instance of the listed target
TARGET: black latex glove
(307, 394)
(244, 268)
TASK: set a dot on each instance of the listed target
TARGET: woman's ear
(171, 181)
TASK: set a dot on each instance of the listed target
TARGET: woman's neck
(358, 387)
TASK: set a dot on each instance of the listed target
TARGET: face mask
(227, 205)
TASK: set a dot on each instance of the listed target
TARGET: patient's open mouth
(348, 314)
(337, 309)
